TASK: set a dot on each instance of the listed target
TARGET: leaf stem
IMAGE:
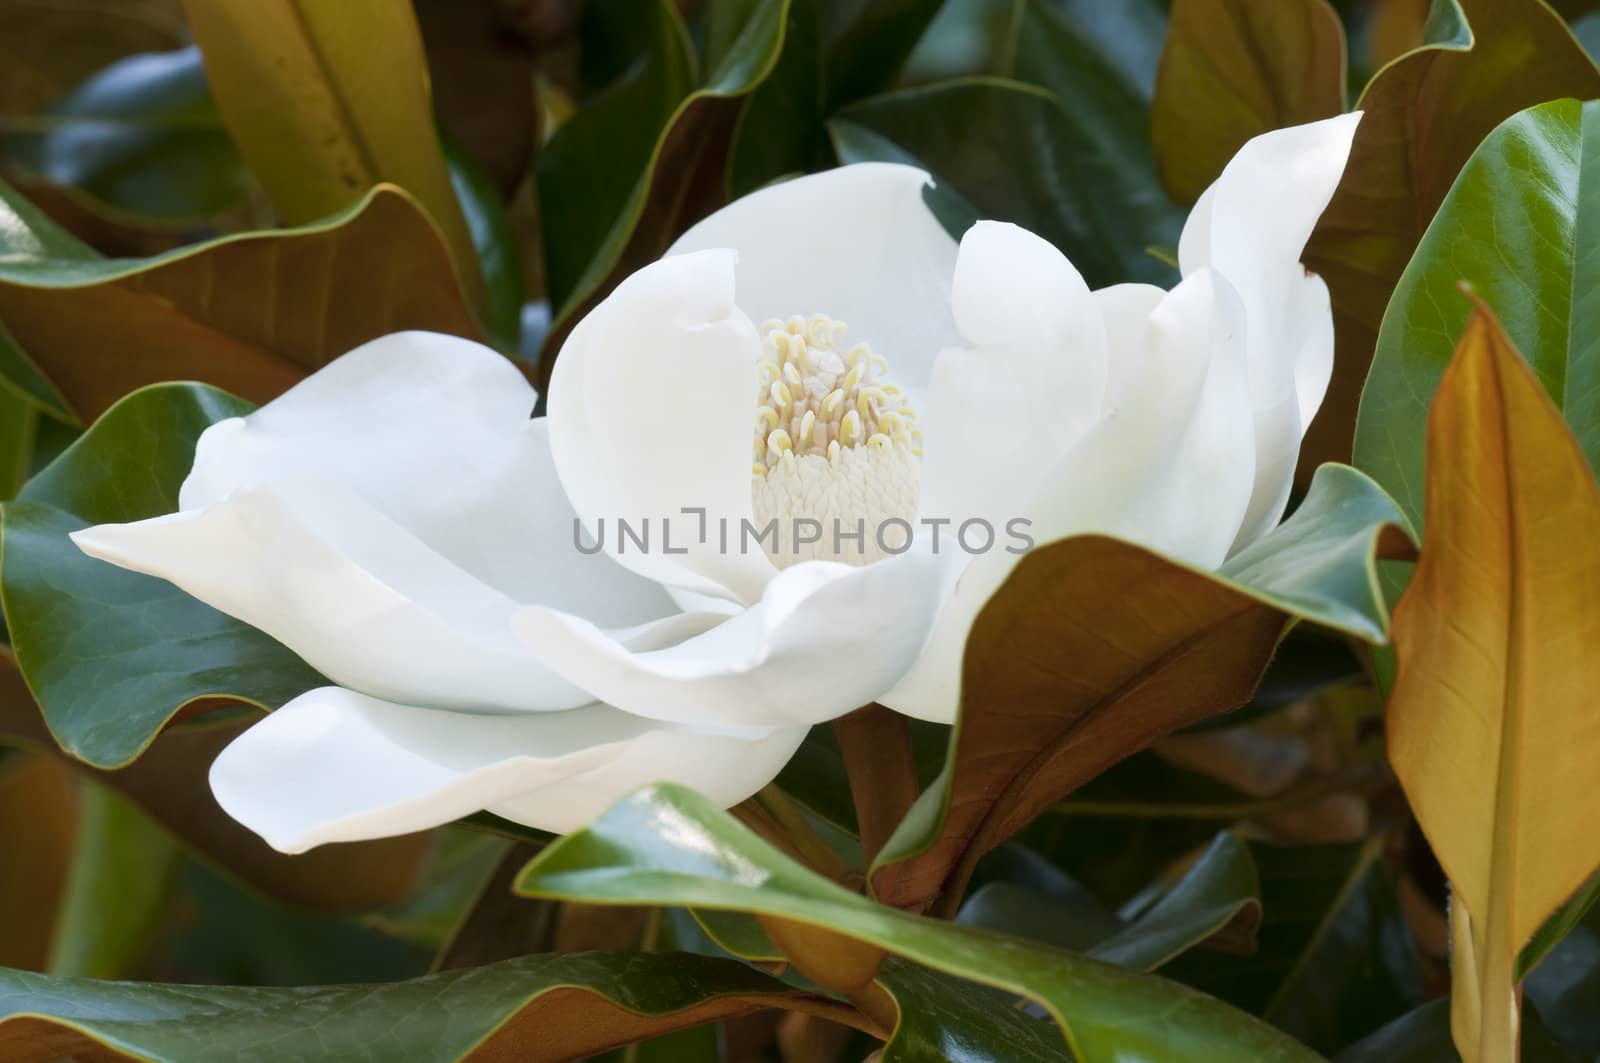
(876, 745)
(812, 847)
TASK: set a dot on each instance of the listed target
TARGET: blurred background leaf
(1425, 113)
(94, 329)
(140, 137)
(1234, 69)
(327, 101)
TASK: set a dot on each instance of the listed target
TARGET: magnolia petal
(652, 412)
(433, 432)
(360, 598)
(335, 766)
(857, 243)
(1170, 467)
(1125, 310)
(1313, 364)
(824, 639)
(1251, 226)
(931, 688)
(1003, 410)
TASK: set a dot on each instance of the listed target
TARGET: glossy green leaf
(950, 1020)
(141, 137)
(1075, 190)
(122, 865)
(1480, 62)
(781, 131)
(18, 419)
(680, 179)
(1068, 919)
(1219, 893)
(1336, 959)
(588, 171)
(546, 1008)
(1568, 917)
(1217, 899)
(88, 330)
(1100, 65)
(1157, 646)
(112, 655)
(498, 255)
(1522, 227)
(668, 846)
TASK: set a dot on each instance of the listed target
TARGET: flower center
(837, 448)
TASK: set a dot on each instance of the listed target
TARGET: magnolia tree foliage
(806, 530)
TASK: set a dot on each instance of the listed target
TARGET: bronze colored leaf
(251, 314)
(1094, 648)
(1491, 725)
(327, 100)
(1233, 69)
(169, 783)
(38, 819)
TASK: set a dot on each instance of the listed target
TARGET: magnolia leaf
(1335, 957)
(1217, 898)
(666, 845)
(1089, 187)
(781, 131)
(496, 924)
(482, 79)
(1520, 226)
(955, 1021)
(49, 48)
(122, 867)
(327, 100)
(252, 313)
(1489, 723)
(1119, 45)
(113, 655)
(867, 51)
(540, 1009)
(494, 245)
(1423, 1036)
(679, 180)
(1425, 113)
(1216, 901)
(1566, 987)
(452, 879)
(168, 784)
(18, 422)
(1555, 929)
(140, 137)
(1233, 69)
(588, 171)
(38, 817)
(1153, 645)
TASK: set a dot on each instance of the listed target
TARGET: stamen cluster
(816, 398)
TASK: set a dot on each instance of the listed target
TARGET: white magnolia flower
(399, 522)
